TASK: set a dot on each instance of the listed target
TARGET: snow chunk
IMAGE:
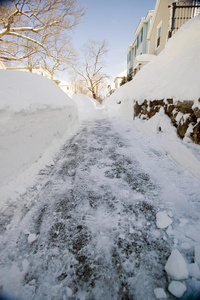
(197, 254)
(177, 288)
(160, 293)
(162, 220)
(176, 266)
(32, 238)
(194, 270)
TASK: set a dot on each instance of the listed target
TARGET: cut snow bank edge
(183, 153)
(35, 114)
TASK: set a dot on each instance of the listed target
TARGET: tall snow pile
(86, 106)
(34, 115)
(175, 73)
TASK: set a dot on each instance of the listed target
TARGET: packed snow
(106, 210)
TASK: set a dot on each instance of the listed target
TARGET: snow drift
(34, 115)
(175, 73)
(88, 108)
(85, 105)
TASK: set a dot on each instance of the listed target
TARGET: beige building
(168, 17)
(2, 65)
(158, 31)
(119, 78)
(67, 88)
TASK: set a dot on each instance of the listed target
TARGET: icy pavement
(101, 222)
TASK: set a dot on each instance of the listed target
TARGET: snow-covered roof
(143, 58)
(64, 83)
(122, 74)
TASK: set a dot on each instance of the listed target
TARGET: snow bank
(86, 106)
(186, 155)
(173, 74)
(34, 115)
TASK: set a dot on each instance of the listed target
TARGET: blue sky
(115, 21)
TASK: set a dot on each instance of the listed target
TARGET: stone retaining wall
(182, 115)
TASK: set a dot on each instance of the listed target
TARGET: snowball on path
(176, 266)
(32, 238)
(160, 293)
(162, 220)
(177, 288)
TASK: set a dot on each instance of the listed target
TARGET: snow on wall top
(175, 73)
(22, 91)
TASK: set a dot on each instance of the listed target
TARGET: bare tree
(30, 27)
(91, 71)
(63, 54)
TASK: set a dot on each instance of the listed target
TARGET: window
(141, 35)
(158, 35)
(140, 38)
(129, 57)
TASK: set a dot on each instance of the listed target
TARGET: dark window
(158, 37)
(140, 38)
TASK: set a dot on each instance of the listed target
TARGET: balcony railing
(181, 12)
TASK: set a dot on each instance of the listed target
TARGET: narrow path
(87, 229)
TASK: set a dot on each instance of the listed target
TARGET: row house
(154, 31)
(135, 53)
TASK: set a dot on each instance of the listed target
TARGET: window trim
(159, 28)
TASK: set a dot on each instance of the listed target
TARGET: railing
(180, 13)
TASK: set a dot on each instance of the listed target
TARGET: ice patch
(177, 288)
(176, 266)
(162, 220)
(160, 293)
